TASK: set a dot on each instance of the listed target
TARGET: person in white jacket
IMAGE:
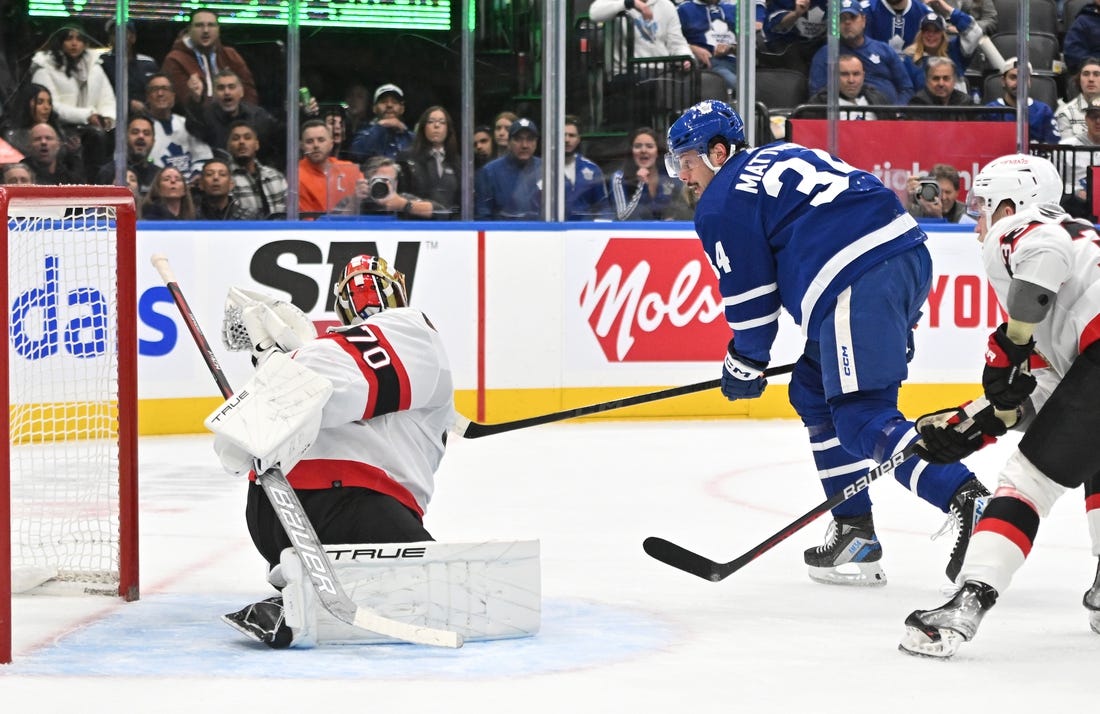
(82, 94)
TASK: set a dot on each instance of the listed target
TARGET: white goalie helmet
(1021, 178)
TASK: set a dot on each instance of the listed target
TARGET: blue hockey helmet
(694, 130)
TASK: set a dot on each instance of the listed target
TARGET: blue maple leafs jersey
(791, 227)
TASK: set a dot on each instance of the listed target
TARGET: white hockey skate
(940, 632)
(849, 556)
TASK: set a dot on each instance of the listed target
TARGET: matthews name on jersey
(786, 220)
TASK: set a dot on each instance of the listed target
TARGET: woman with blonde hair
(933, 40)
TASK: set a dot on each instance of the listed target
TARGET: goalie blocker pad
(483, 591)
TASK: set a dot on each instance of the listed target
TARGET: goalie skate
(262, 621)
(1091, 601)
(849, 556)
(940, 632)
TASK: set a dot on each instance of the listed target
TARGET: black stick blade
(682, 559)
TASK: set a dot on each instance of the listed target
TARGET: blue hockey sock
(838, 469)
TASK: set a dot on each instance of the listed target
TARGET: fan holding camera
(924, 198)
(381, 195)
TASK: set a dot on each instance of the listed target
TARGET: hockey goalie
(357, 420)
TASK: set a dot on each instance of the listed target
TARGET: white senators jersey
(1044, 246)
(393, 402)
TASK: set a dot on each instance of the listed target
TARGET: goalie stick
(293, 517)
(468, 429)
(683, 559)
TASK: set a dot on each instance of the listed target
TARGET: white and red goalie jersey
(393, 401)
(1046, 247)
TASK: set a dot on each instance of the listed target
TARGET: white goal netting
(63, 395)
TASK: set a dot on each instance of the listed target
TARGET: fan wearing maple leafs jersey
(1045, 268)
(368, 477)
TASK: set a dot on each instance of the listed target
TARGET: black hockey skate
(262, 621)
(967, 506)
(939, 632)
(1091, 602)
(850, 554)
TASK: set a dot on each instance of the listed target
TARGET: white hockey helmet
(367, 287)
(1021, 178)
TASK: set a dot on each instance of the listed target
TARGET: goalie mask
(367, 287)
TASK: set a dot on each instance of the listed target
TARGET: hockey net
(69, 522)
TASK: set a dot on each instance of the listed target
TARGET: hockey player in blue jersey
(787, 227)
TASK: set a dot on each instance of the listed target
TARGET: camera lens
(379, 188)
(929, 191)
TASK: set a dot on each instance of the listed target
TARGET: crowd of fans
(200, 142)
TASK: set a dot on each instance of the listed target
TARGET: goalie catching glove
(260, 323)
(951, 435)
(272, 420)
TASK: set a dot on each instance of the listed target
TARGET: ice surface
(621, 632)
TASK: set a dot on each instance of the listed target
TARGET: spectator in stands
(34, 105)
(387, 135)
(139, 142)
(854, 91)
(795, 25)
(510, 188)
(44, 159)
(341, 141)
(139, 68)
(326, 184)
(173, 145)
(1083, 37)
(984, 13)
(135, 189)
(642, 190)
(209, 120)
(259, 189)
(585, 191)
(953, 210)
(884, 67)
(196, 58)
(1069, 117)
(1076, 200)
(213, 196)
(17, 174)
(647, 86)
(358, 112)
(82, 95)
(430, 169)
(1040, 117)
(896, 22)
(483, 145)
(933, 41)
(710, 27)
(502, 123)
(924, 198)
(168, 198)
(384, 198)
(940, 90)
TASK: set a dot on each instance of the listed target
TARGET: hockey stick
(468, 429)
(288, 508)
(683, 559)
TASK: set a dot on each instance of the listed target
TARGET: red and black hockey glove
(949, 435)
(1006, 378)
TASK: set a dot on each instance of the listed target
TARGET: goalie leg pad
(274, 418)
(1059, 440)
(483, 591)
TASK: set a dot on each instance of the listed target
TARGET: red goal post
(68, 471)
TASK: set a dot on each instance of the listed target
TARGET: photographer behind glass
(924, 198)
(382, 197)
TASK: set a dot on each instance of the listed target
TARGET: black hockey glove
(1006, 379)
(944, 440)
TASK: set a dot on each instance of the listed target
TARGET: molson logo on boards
(655, 300)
